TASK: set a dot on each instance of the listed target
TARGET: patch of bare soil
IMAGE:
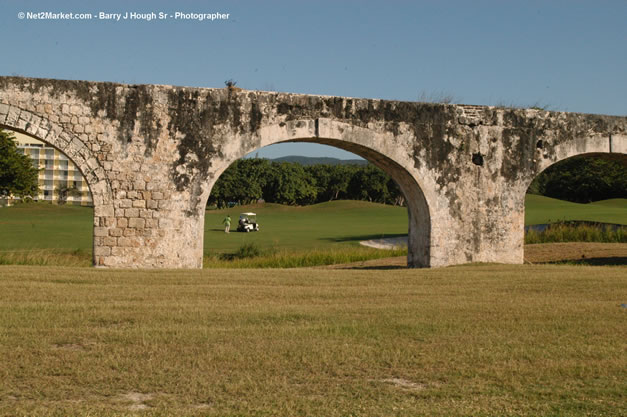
(137, 400)
(405, 384)
(572, 252)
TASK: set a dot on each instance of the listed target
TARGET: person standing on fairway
(227, 223)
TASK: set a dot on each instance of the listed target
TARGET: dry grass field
(480, 340)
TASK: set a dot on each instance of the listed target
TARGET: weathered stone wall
(151, 154)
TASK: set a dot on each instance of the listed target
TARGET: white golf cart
(247, 223)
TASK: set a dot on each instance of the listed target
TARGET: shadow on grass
(609, 261)
(362, 237)
(377, 268)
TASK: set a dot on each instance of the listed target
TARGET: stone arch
(364, 142)
(604, 146)
(612, 147)
(40, 128)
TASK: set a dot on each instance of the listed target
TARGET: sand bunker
(386, 243)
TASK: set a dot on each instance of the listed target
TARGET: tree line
(579, 179)
(582, 179)
(249, 180)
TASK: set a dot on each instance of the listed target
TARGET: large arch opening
(418, 216)
(576, 210)
(71, 175)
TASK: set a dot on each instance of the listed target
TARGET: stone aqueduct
(151, 154)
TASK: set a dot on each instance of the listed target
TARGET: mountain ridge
(316, 160)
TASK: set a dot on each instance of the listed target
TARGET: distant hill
(306, 160)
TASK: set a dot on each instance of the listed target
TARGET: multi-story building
(59, 178)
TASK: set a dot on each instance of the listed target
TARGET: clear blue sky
(569, 55)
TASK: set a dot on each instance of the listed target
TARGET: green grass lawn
(46, 226)
(541, 210)
(329, 226)
(481, 340)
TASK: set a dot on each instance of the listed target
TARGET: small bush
(573, 232)
(246, 251)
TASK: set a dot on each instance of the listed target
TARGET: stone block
(116, 231)
(104, 211)
(101, 231)
(109, 221)
(102, 251)
(98, 199)
(139, 204)
(137, 223)
(122, 222)
(13, 116)
(21, 123)
(93, 163)
(132, 212)
(119, 250)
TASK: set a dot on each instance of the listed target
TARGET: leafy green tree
(289, 183)
(322, 175)
(243, 182)
(18, 176)
(369, 184)
(340, 177)
(582, 179)
(247, 180)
